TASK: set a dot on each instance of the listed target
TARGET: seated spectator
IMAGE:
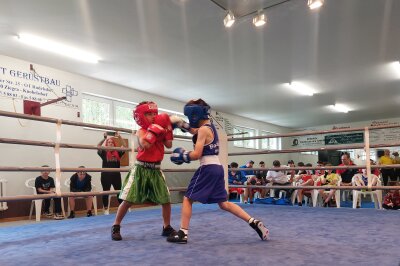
(318, 171)
(277, 177)
(391, 201)
(304, 180)
(374, 171)
(259, 179)
(328, 179)
(346, 174)
(362, 179)
(290, 164)
(309, 171)
(44, 184)
(249, 164)
(301, 172)
(235, 177)
(80, 182)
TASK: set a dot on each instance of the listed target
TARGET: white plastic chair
(3, 193)
(30, 183)
(376, 195)
(67, 184)
(337, 194)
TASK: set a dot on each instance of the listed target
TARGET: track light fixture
(314, 4)
(260, 19)
(229, 19)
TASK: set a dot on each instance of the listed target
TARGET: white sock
(251, 220)
(186, 231)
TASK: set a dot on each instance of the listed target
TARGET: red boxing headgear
(141, 110)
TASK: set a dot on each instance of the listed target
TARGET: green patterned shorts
(145, 185)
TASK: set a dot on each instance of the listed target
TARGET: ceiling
(180, 49)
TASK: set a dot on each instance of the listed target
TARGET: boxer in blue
(207, 185)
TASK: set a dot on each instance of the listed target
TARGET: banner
(22, 82)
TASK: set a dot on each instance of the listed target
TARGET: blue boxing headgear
(195, 113)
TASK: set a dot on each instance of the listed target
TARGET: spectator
(249, 164)
(375, 171)
(396, 160)
(259, 179)
(301, 172)
(304, 180)
(80, 182)
(111, 159)
(291, 172)
(277, 177)
(328, 179)
(44, 184)
(386, 172)
(235, 177)
(391, 200)
(346, 174)
(309, 171)
(318, 171)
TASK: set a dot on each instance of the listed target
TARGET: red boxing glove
(164, 121)
(169, 135)
(153, 133)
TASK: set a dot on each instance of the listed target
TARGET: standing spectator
(386, 172)
(80, 182)
(44, 184)
(396, 160)
(111, 159)
(235, 177)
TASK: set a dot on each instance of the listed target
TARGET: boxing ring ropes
(57, 145)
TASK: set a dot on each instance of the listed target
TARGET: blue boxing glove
(178, 122)
(180, 156)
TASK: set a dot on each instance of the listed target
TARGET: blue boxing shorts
(207, 185)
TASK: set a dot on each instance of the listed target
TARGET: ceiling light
(229, 19)
(58, 48)
(340, 108)
(314, 4)
(301, 88)
(260, 19)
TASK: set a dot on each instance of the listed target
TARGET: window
(241, 132)
(96, 111)
(310, 152)
(372, 155)
(101, 110)
(123, 116)
(270, 143)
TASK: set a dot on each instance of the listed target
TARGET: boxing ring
(299, 235)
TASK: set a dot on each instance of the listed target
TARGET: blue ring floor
(299, 236)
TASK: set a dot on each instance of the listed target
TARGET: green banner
(344, 138)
